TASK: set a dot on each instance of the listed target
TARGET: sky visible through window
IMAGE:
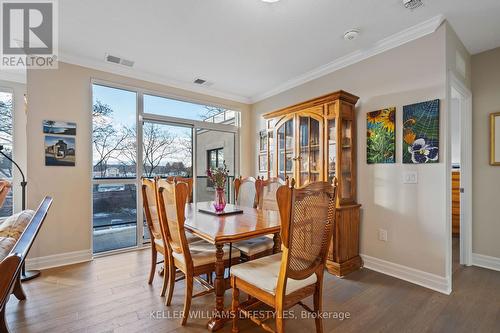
(114, 132)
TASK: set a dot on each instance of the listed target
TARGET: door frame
(455, 85)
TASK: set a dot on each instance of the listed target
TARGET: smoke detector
(412, 4)
(118, 60)
(351, 34)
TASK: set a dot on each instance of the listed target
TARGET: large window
(6, 140)
(114, 168)
(159, 137)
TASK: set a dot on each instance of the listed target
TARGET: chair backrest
(245, 192)
(266, 193)
(11, 265)
(150, 205)
(188, 181)
(307, 221)
(172, 206)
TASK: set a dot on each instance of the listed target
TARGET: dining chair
(285, 279)
(192, 259)
(188, 181)
(150, 204)
(247, 194)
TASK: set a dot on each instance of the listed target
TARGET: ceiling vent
(412, 4)
(202, 82)
(118, 60)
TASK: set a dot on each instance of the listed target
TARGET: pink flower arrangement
(218, 176)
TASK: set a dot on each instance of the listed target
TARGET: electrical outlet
(410, 177)
(382, 235)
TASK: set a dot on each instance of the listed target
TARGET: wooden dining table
(227, 229)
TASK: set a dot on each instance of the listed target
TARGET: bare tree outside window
(109, 141)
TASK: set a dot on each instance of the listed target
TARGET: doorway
(459, 173)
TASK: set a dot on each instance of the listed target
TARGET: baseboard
(481, 260)
(57, 260)
(424, 279)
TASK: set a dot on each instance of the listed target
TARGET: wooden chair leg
(171, 281)
(318, 307)
(280, 321)
(235, 306)
(18, 289)
(154, 255)
(165, 277)
(187, 299)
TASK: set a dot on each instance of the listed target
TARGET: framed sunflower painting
(421, 132)
(381, 136)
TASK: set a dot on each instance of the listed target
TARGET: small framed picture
(59, 151)
(59, 127)
(262, 162)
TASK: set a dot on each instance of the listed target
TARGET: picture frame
(58, 127)
(495, 139)
(263, 162)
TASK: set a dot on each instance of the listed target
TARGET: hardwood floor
(111, 294)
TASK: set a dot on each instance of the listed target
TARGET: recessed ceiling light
(270, 1)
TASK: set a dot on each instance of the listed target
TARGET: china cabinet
(316, 141)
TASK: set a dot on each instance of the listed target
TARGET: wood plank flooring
(111, 294)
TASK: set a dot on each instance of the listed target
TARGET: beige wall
(485, 178)
(413, 215)
(65, 94)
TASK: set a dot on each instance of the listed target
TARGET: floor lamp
(25, 275)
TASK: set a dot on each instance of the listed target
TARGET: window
(215, 158)
(114, 216)
(6, 140)
(173, 139)
(179, 109)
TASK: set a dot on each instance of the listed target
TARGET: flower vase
(220, 200)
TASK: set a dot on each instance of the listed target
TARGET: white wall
(413, 215)
(65, 94)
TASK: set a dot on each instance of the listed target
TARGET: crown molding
(417, 31)
(147, 76)
(18, 77)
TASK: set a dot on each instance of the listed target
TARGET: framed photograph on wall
(262, 162)
(59, 127)
(59, 151)
(495, 138)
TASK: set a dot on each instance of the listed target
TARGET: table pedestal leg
(277, 243)
(220, 287)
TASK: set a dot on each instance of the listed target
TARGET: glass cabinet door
(331, 149)
(346, 161)
(309, 159)
(285, 134)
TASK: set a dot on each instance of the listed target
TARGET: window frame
(141, 117)
(8, 90)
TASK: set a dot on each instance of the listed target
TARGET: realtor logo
(29, 34)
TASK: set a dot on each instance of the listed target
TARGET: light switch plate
(410, 177)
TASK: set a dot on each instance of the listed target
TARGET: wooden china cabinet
(316, 141)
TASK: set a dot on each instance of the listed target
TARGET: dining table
(229, 229)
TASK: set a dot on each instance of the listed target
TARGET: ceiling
(247, 48)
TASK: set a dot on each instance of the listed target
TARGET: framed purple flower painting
(421, 132)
